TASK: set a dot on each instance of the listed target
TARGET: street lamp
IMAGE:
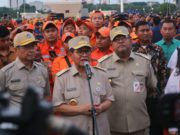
(17, 15)
(143, 10)
(121, 6)
(152, 9)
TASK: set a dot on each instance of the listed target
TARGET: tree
(167, 8)
(27, 8)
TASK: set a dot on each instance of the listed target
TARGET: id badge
(136, 86)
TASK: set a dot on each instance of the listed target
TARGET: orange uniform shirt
(97, 54)
(46, 51)
(60, 64)
(93, 40)
(48, 57)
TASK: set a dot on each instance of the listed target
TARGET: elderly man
(71, 93)
(24, 72)
(131, 77)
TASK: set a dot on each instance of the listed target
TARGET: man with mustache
(131, 77)
(17, 76)
(71, 95)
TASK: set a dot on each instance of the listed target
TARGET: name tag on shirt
(137, 86)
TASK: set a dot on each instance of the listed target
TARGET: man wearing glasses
(17, 76)
(71, 95)
(131, 77)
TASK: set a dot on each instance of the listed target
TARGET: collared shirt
(130, 81)
(158, 61)
(97, 54)
(45, 49)
(93, 40)
(59, 64)
(70, 85)
(168, 49)
(16, 78)
(173, 60)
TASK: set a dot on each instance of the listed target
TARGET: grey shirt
(70, 85)
(130, 82)
(15, 78)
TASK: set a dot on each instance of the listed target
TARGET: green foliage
(13, 13)
(28, 8)
(8, 11)
(141, 7)
(167, 8)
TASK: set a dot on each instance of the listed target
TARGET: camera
(34, 117)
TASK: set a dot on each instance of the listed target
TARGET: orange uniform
(97, 54)
(49, 54)
(93, 40)
(46, 51)
(60, 63)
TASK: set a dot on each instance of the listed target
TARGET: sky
(5, 2)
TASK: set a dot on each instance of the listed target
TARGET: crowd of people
(134, 59)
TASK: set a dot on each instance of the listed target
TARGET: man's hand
(85, 109)
(98, 108)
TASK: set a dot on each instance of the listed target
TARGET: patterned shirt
(158, 61)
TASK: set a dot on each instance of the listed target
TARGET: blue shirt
(168, 49)
(156, 34)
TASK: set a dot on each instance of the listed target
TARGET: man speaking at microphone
(71, 92)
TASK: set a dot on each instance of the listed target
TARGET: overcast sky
(5, 2)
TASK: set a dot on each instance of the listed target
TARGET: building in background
(177, 3)
(70, 8)
(38, 4)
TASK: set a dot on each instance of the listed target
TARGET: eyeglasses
(81, 52)
(121, 38)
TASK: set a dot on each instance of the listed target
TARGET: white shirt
(173, 60)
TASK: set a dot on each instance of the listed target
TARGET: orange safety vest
(97, 54)
(50, 53)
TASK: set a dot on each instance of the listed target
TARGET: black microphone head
(86, 63)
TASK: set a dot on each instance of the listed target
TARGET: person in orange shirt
(64, 62)
(103, 44)
(97, 18)
(86, 28)
(51, 47)
(69, 25)
(131, 30)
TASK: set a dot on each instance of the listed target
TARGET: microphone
(88, 69)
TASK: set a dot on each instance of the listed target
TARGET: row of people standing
(127, 71)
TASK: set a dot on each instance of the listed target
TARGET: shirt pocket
(40, 82)
(100, 91)
(139, 76)
(114, 77)
(17, 88)
(72, 96)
